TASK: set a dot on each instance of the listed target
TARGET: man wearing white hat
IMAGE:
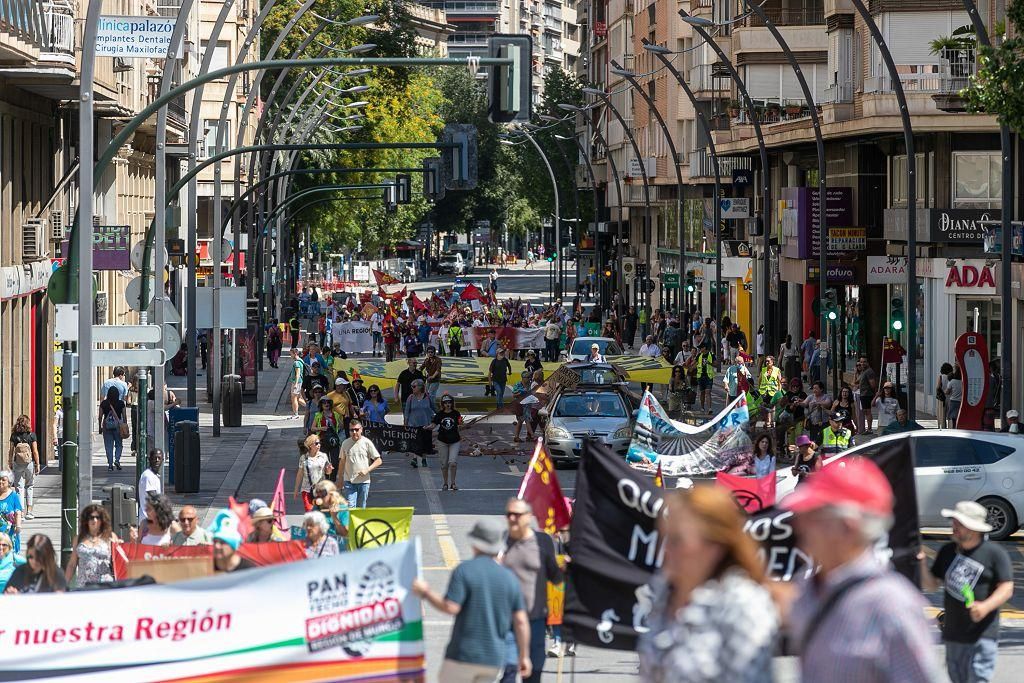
(1011, 424)
(978, 580)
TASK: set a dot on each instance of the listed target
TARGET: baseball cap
(341, 380)
(972, 515)
(854, 481)
(1010, 414)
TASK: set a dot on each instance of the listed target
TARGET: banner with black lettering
(396, 438)
(614, 550)
(354, 337)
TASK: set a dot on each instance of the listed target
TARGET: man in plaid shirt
(856, 620)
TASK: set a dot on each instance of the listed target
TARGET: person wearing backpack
(114, 427)
(23, 458)
(455, 338)
(274, 343)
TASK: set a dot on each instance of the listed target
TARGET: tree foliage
(998, 87)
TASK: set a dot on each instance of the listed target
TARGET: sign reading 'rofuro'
(134, 37)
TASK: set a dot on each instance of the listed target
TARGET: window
(989, 453)
(210, 141)
(943, 452)
(220, 53)
(898, 180)
(977, 180)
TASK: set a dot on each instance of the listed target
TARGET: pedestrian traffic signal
(510, 87)
(691, 282)
(550, 258)
(898, 317)
(831, 307)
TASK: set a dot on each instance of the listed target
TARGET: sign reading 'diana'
(134, 37)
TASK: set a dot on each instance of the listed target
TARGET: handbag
(940, 395)
(123, 430)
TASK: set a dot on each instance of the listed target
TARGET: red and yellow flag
(659, 479)
(383, 278)
(541, 490)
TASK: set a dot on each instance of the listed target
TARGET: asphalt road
(443, 519)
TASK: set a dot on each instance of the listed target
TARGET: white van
(451, 263)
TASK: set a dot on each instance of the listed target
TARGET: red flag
(264, 554)
(417, 304)
(241, 511)
(659, 479)
(383, 278)
(277, 504)
(471, 292)
(541, 490)
(751, 494)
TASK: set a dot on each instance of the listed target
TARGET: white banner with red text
(344, 618)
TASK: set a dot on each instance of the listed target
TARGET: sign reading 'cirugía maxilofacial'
(134, 37)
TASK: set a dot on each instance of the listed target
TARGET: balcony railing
(458, 7)
(59, 30)
(168, 8)
(175, 108)
(553, 23)
(950, 77)
(810, 16)
(702, 77)
(701, 165)
(839, 93)
(469, 39)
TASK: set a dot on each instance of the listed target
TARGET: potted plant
(793, 108)
(734, 109)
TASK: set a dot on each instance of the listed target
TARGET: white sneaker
(555, 650)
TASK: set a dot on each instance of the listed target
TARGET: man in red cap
(856, 620)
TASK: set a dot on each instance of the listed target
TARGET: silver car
(593, 412)
(951, 465)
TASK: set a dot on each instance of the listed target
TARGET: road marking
(449, 553)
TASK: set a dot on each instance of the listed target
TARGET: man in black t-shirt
(978, 579)
(314, 378)
(403, 389)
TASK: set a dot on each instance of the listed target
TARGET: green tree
(998, 87)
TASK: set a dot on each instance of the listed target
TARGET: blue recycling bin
(175, 415)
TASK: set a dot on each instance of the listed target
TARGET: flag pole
(529, 469)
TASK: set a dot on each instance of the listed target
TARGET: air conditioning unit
(33, 238)
(56, 226)
(121, 65)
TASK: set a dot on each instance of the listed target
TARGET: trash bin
(231, 401)
(122, 507)
(186, 457)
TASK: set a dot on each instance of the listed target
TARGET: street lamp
(627, 131)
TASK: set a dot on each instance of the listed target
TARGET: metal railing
(810, 16)
(553, 23)
(467, 7)
(468, 39)
(59, 29)
(839, 93)
(701, 165)
(945, 81)
(168, 8)
(701, 77)
(175, 108)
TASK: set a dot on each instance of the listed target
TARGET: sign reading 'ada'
(967, 276)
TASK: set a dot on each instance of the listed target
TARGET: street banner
(972, 357)
(394, 438)
(343, 618)
(509, 338)
(752, 494)
(772, 528)
(615, 549)
(556, 599)
(374, 527)
(111, 244)
(541, 490)
(274, 552)
(126, 553)
(682, 450)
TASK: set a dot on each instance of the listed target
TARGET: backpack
(111, 420)
(22, 453)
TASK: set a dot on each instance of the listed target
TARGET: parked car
(951, 465)
(580, 349)
(451, 263)
(592, 409)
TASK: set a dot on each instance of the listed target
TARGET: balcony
(468, 40)
(809, 16)
(839, 93)
(553, 24)
(701, 165)
(58, 33)
(168, 8)
(175, 108)
(703, 78)
(468, 7)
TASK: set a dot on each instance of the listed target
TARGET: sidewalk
(224, 460)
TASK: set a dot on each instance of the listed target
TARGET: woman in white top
(759, 343)
(313, 469)
(160, 526)
(941, 399)
(954, 396)
(887, 404)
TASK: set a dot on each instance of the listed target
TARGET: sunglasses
(315, 443)
(186, 519)
(515, 515)
(355, 429)
(94, 518)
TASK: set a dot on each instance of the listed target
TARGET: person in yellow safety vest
(705, 377)
(835, 437)
(769, 385)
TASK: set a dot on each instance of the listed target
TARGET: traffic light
(510, 90)
(691, 282)
(831, 307)
(898, 317)
(607, 272)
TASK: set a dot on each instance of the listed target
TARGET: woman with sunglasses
(375, 407)
(448, 439)
(92, 554)
(328, 425)
(313, 468)
(41, 573)
(9, 560)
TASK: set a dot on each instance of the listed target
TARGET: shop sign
(960, 226)
(734, 207)
(800, 218)
(837, 273)
(600, 29)
(649, 167)
(845, 240)
(994, 240)
(773, 272)
(970, 278)
(741, 177)
(111, 247)
(134, 37)
(887, 270)
(736, 248)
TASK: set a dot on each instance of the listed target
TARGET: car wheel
(1002, 518)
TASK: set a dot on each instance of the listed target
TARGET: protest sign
(346, 617)
(556, 602)
(388, 437)
(126, 553)
(374, 527)
(274, 552)
(354, 337)
(684, 450)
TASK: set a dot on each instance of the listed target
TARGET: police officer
(835, 437)
(705, 376)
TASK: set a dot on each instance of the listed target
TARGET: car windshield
(449, 257)
(581, 347)
(591, 404)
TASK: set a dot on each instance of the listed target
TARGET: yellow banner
(474, 370)
(374, 527)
